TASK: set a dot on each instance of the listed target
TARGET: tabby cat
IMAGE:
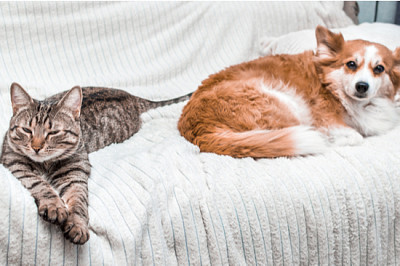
(47, 144)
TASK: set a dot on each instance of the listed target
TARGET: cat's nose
(37, 148)
(37, 145)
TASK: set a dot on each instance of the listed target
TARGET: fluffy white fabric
(300, 41)
(155, 199)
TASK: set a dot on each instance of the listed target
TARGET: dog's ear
(328, 43)
(395, 72)
(396, 55)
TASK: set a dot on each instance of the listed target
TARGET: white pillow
(300, 41)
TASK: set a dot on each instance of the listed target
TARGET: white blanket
(299, 41)
(155, 199)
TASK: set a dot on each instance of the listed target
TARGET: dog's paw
(344, 136)
(76, 229)
(53, 210)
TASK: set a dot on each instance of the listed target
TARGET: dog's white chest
(374, 118)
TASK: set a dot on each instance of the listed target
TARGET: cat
(47, 144)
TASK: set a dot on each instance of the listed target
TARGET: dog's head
(356, 69)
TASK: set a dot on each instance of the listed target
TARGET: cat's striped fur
(47, 146)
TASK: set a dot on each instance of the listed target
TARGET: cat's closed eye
(27, 130)
(55, 132)
(52, 133)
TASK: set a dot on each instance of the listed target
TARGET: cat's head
(44, 130)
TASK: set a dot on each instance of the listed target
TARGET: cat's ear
(328, 43)
(19, 97)
(72, 101)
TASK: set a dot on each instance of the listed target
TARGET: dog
(296, 105)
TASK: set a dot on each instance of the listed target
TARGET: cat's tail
(153, 104)
(291, 141)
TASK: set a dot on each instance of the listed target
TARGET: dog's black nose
(362, 87)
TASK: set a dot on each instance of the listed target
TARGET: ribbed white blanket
(155, 199)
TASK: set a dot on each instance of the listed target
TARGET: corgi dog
(291, 105)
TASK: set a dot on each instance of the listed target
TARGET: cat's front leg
(50, 206)
(76, 227)
(71, 182)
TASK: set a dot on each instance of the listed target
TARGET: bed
(155, 199)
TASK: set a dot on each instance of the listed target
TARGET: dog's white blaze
(370, 54)
(370, 58)
(288, 96)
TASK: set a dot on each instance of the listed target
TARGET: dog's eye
(27, 130)
(379, 69)
(352, 65)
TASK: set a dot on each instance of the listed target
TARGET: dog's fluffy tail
(291, 141)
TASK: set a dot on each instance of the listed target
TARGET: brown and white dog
(289, 105)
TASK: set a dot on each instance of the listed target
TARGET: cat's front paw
(76, 230)
(343, 136)
(53, 210)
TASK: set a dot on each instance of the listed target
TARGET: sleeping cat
(47, 144)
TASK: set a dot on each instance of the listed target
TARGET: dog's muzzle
(361, 89)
